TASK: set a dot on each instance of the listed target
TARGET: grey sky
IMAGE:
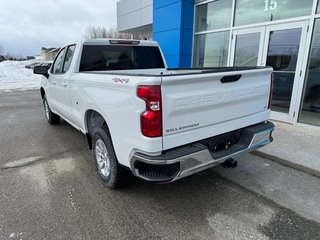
(28, 25)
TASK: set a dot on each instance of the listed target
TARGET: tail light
(151, 118)
(271, 87)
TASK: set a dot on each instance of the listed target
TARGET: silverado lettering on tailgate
(222, 97)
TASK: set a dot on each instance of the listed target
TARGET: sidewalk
(294, 146)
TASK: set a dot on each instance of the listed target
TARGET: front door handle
(64, 84)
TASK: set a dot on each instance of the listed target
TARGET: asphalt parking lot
(50, 190)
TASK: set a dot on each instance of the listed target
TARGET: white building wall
(134, 14)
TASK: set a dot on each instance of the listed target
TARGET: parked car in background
(31, 57)
(34, 64)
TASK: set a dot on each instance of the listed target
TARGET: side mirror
(42, 70)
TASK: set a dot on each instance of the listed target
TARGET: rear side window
(68, 58)
(109, 57)
(57, 65)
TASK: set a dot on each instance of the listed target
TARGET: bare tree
(1, 50)
(101, 32)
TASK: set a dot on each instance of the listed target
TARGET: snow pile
(14, 76)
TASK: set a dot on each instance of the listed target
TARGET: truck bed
(174, 71)
(198, 103)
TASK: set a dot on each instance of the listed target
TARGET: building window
(256, 11)
(214, 15)
(211, 50)
(318, 9)
(310, 106)
(247, 50)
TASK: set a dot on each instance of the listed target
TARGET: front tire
(110, 171)
(52, 118)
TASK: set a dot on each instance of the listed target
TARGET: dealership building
(284, 34)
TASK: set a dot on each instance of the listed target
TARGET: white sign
(270, 5)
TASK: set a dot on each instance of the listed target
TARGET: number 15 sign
(270, 5)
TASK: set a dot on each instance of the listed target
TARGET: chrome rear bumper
(184, 161)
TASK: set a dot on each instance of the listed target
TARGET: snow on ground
(14, 76)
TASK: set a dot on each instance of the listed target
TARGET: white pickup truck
(159, 124)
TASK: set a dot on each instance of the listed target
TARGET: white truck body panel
(120, 108)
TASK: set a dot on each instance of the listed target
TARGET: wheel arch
(92, 120)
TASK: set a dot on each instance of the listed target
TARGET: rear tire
(52, 118)
(112, 174)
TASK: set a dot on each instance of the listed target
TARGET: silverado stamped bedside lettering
(144, 119)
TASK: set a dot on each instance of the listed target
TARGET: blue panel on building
(185, 61)
(173, 30)
(163, 3)
(167, 18)
(168, 41)
(173, 61)
(186, 42)
(187, 15)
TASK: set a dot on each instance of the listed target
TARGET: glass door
(284, 50)
(247, 47)
(280, 46)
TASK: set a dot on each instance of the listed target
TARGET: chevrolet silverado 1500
(145, 119)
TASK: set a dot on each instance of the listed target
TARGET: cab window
(68, 58)
(57, 65)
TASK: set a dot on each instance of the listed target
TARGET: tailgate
(198, 106)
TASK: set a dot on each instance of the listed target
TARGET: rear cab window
(113, 57)
(68, 58)
(58, 62)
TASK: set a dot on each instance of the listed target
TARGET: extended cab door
(59, 81)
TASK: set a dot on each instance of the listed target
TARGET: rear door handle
(64, 84)
(54, 82)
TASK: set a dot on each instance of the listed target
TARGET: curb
(288, 163)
